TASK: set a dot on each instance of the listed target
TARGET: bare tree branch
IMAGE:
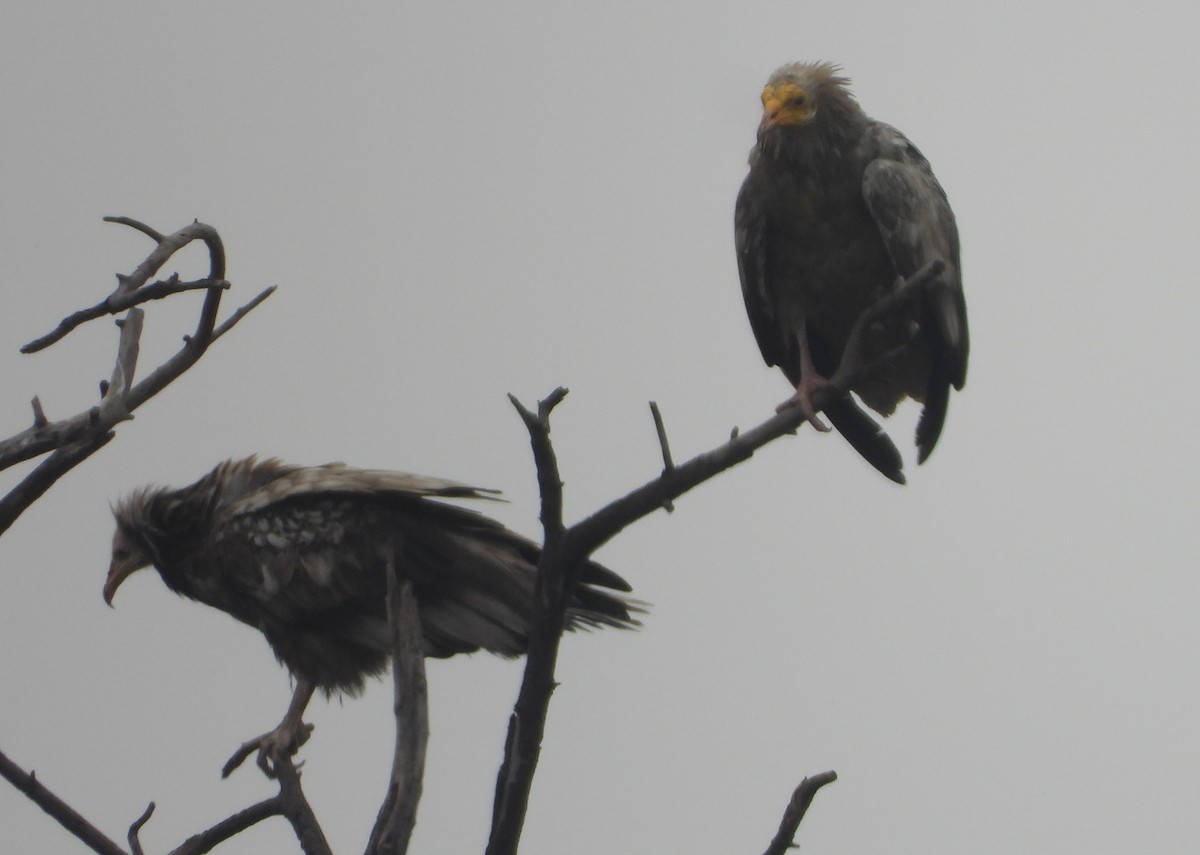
(583, 538)
(133, 289)
(34, 485)
(242, 312)
(210, 838)
(77, 437)
(73, 440)
(118, 301)
(661, 430)
(39, 415)
(294, 805)
(798, 805)
(297, 810)
(128, 349)
(63, 813)
(398, 814)
(135, 845)
(136, 225)
(564, 553)
(555, 578)
(566, 549)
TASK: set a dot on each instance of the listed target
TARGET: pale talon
(306, 554)
(802, 399)
(848, 257)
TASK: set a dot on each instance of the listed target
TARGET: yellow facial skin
(787, 104)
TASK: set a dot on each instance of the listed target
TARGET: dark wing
(308, 568)
(917, 226)
(277, 482)
(750, 241)
(399, 489)
(752, 244)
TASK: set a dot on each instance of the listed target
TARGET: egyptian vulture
(300, 553)
(836, 210)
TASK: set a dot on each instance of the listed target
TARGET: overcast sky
(458, 201)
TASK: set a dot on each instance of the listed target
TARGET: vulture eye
(120, 554)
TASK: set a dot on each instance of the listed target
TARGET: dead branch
(208, 839)
(75, 438)
(555, 578)
(297, 811)
(661, 430)
(135, 845)
(290, 803)
(798, 805)
(70, 441)
(34, 485)
(119, 301)
(60, 811)
(564, 553)
(567, 548)
(133, 289)
(583, 538)
(398, 814)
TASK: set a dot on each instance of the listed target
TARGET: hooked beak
(118, 572)
(771, 108)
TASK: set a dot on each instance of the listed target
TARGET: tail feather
(867, 437)
(933, 414)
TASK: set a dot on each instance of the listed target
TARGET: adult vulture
(301, 554)
(839, 209)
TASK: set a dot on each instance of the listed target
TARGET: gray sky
(461, 202)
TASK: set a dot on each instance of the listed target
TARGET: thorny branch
(566, 548)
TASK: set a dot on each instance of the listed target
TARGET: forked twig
(73, 439)
(297, 811)
(555, 578)
(567, 548)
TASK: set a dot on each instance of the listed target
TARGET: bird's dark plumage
(836, 208)
(301, 554)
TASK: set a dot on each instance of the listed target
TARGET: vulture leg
(810, 382)
(283, 741)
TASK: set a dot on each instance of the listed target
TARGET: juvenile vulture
(300, 553)
(837, 210)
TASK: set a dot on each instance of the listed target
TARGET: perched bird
(301, 554)
(837, 211)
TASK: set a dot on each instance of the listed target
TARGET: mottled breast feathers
(302, 554)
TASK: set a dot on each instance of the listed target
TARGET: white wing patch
(270, 585)
(319, 566)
